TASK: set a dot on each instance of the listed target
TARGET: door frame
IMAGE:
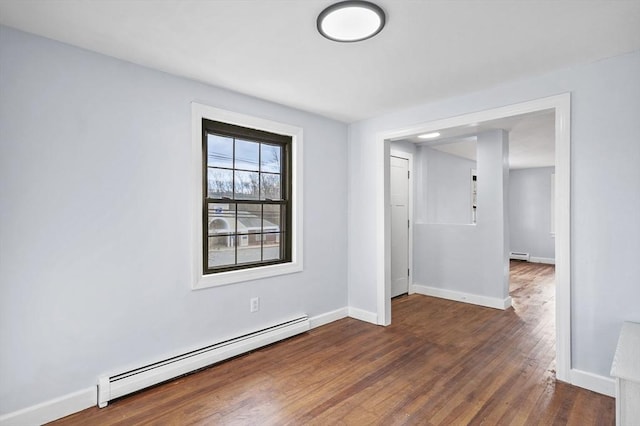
(561, 104)
(409, 157)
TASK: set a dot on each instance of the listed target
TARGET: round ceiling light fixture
(350, 21)
(429, 135)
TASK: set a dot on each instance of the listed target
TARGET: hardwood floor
(439, 363)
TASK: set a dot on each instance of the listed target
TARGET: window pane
(249, 248)
(250, 226)
(270, 158)
(219, 151)
(271, 246)
(249, 218)
(246, 185)
(270, 186)
(247, 155)
(220, 183)
(221, 251)
(222, 219)
(271, 219)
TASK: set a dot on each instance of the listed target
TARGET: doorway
(560, 104)
(399, 190)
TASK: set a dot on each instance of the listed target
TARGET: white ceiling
(270, 48)
(531, 139)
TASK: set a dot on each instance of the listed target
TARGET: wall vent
(112, 387)
(516, 255)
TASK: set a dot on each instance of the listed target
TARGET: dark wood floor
(439, 363)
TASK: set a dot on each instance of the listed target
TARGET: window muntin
(246, 197)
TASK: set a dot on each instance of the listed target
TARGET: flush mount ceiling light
(429, 135)
(350, 21)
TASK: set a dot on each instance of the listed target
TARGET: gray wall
(404, 146)
(530, 212)
(463, 257)
(605, 194)
(95, 220)
(444, 186)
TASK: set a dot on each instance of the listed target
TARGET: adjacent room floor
(439, 363)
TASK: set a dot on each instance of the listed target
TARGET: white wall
(95, 220)
(467, 258)
(405, 146)
(445, 187)
(530, 212)
(605, 196)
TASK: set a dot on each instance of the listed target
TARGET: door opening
(560, 104)
(399, 197)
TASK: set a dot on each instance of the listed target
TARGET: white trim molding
(328, 317)
(561, 104)
(383, 232)
(458, 296)
(547, 260)
(362, 315)
(593, 382)
(53, 409)
(199, 280)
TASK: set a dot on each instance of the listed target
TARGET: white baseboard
(53, 409)
(548, 260)
(362, 315)
(328, 317)
(72, 403)
(63, 406)
(593, 382)
(458, 296)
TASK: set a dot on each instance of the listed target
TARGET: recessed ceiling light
(350, 21)
(429, 135)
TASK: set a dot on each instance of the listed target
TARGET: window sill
(231, 277)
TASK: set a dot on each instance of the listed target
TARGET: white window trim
(198, 279)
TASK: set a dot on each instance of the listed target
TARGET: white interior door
(399, 191)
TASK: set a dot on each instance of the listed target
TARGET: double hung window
(246, 199)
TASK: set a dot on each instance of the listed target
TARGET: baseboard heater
(516, 255)
(112, 387)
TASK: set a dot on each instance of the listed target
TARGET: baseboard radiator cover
(516, 255)
(116, 386)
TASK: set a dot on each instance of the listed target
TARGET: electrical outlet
(255, 304)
